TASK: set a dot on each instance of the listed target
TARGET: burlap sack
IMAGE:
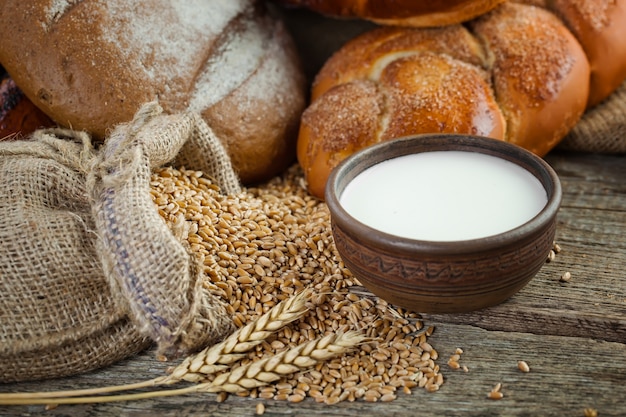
(89, 272)
(602, 128)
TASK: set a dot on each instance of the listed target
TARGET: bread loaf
(91, 64)
(515, 74)
(417, 13)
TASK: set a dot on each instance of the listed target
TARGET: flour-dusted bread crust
(516, 74)
(416, 13)
(90, 65)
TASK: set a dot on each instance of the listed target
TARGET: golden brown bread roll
(416, 13)
(515, 74)
(91, 64)
(600, 27)
(540, 74)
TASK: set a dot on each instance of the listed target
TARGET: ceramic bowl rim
(358, 161)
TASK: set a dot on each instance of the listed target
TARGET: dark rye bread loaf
(91, 64)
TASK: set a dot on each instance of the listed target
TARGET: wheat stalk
(270, 369)
(218, 357)
(245, 377)
(197, 367)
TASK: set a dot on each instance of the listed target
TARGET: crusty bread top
(107, 56)
(416, 13)
(367, 54)
(600, 27)
(540, 74)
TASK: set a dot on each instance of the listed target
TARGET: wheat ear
(245, 377)
(218, 357)
(208, 361)
(270, 369)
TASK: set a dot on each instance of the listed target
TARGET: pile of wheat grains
(266, 244)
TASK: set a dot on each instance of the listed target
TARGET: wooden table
(572, 334)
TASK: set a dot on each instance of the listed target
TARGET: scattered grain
(260, 409)
(453, 361)
(267, 243)
(523, 366)
(566, 277)
(388, 397)
(495, 395)
(430, 387)
(590, 412)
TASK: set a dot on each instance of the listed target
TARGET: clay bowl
(450, 276)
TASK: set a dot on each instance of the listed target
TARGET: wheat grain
(523, 366)
(495, 395)
(566, 277)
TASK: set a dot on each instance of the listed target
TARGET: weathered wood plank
(567, 375)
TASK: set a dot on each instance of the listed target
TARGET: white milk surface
(444, 196)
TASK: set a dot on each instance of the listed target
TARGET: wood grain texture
(573, 335)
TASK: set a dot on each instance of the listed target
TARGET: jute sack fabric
(89, 272)
(602, 128)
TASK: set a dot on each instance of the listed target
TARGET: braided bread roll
(516, 74)
(600, 27)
